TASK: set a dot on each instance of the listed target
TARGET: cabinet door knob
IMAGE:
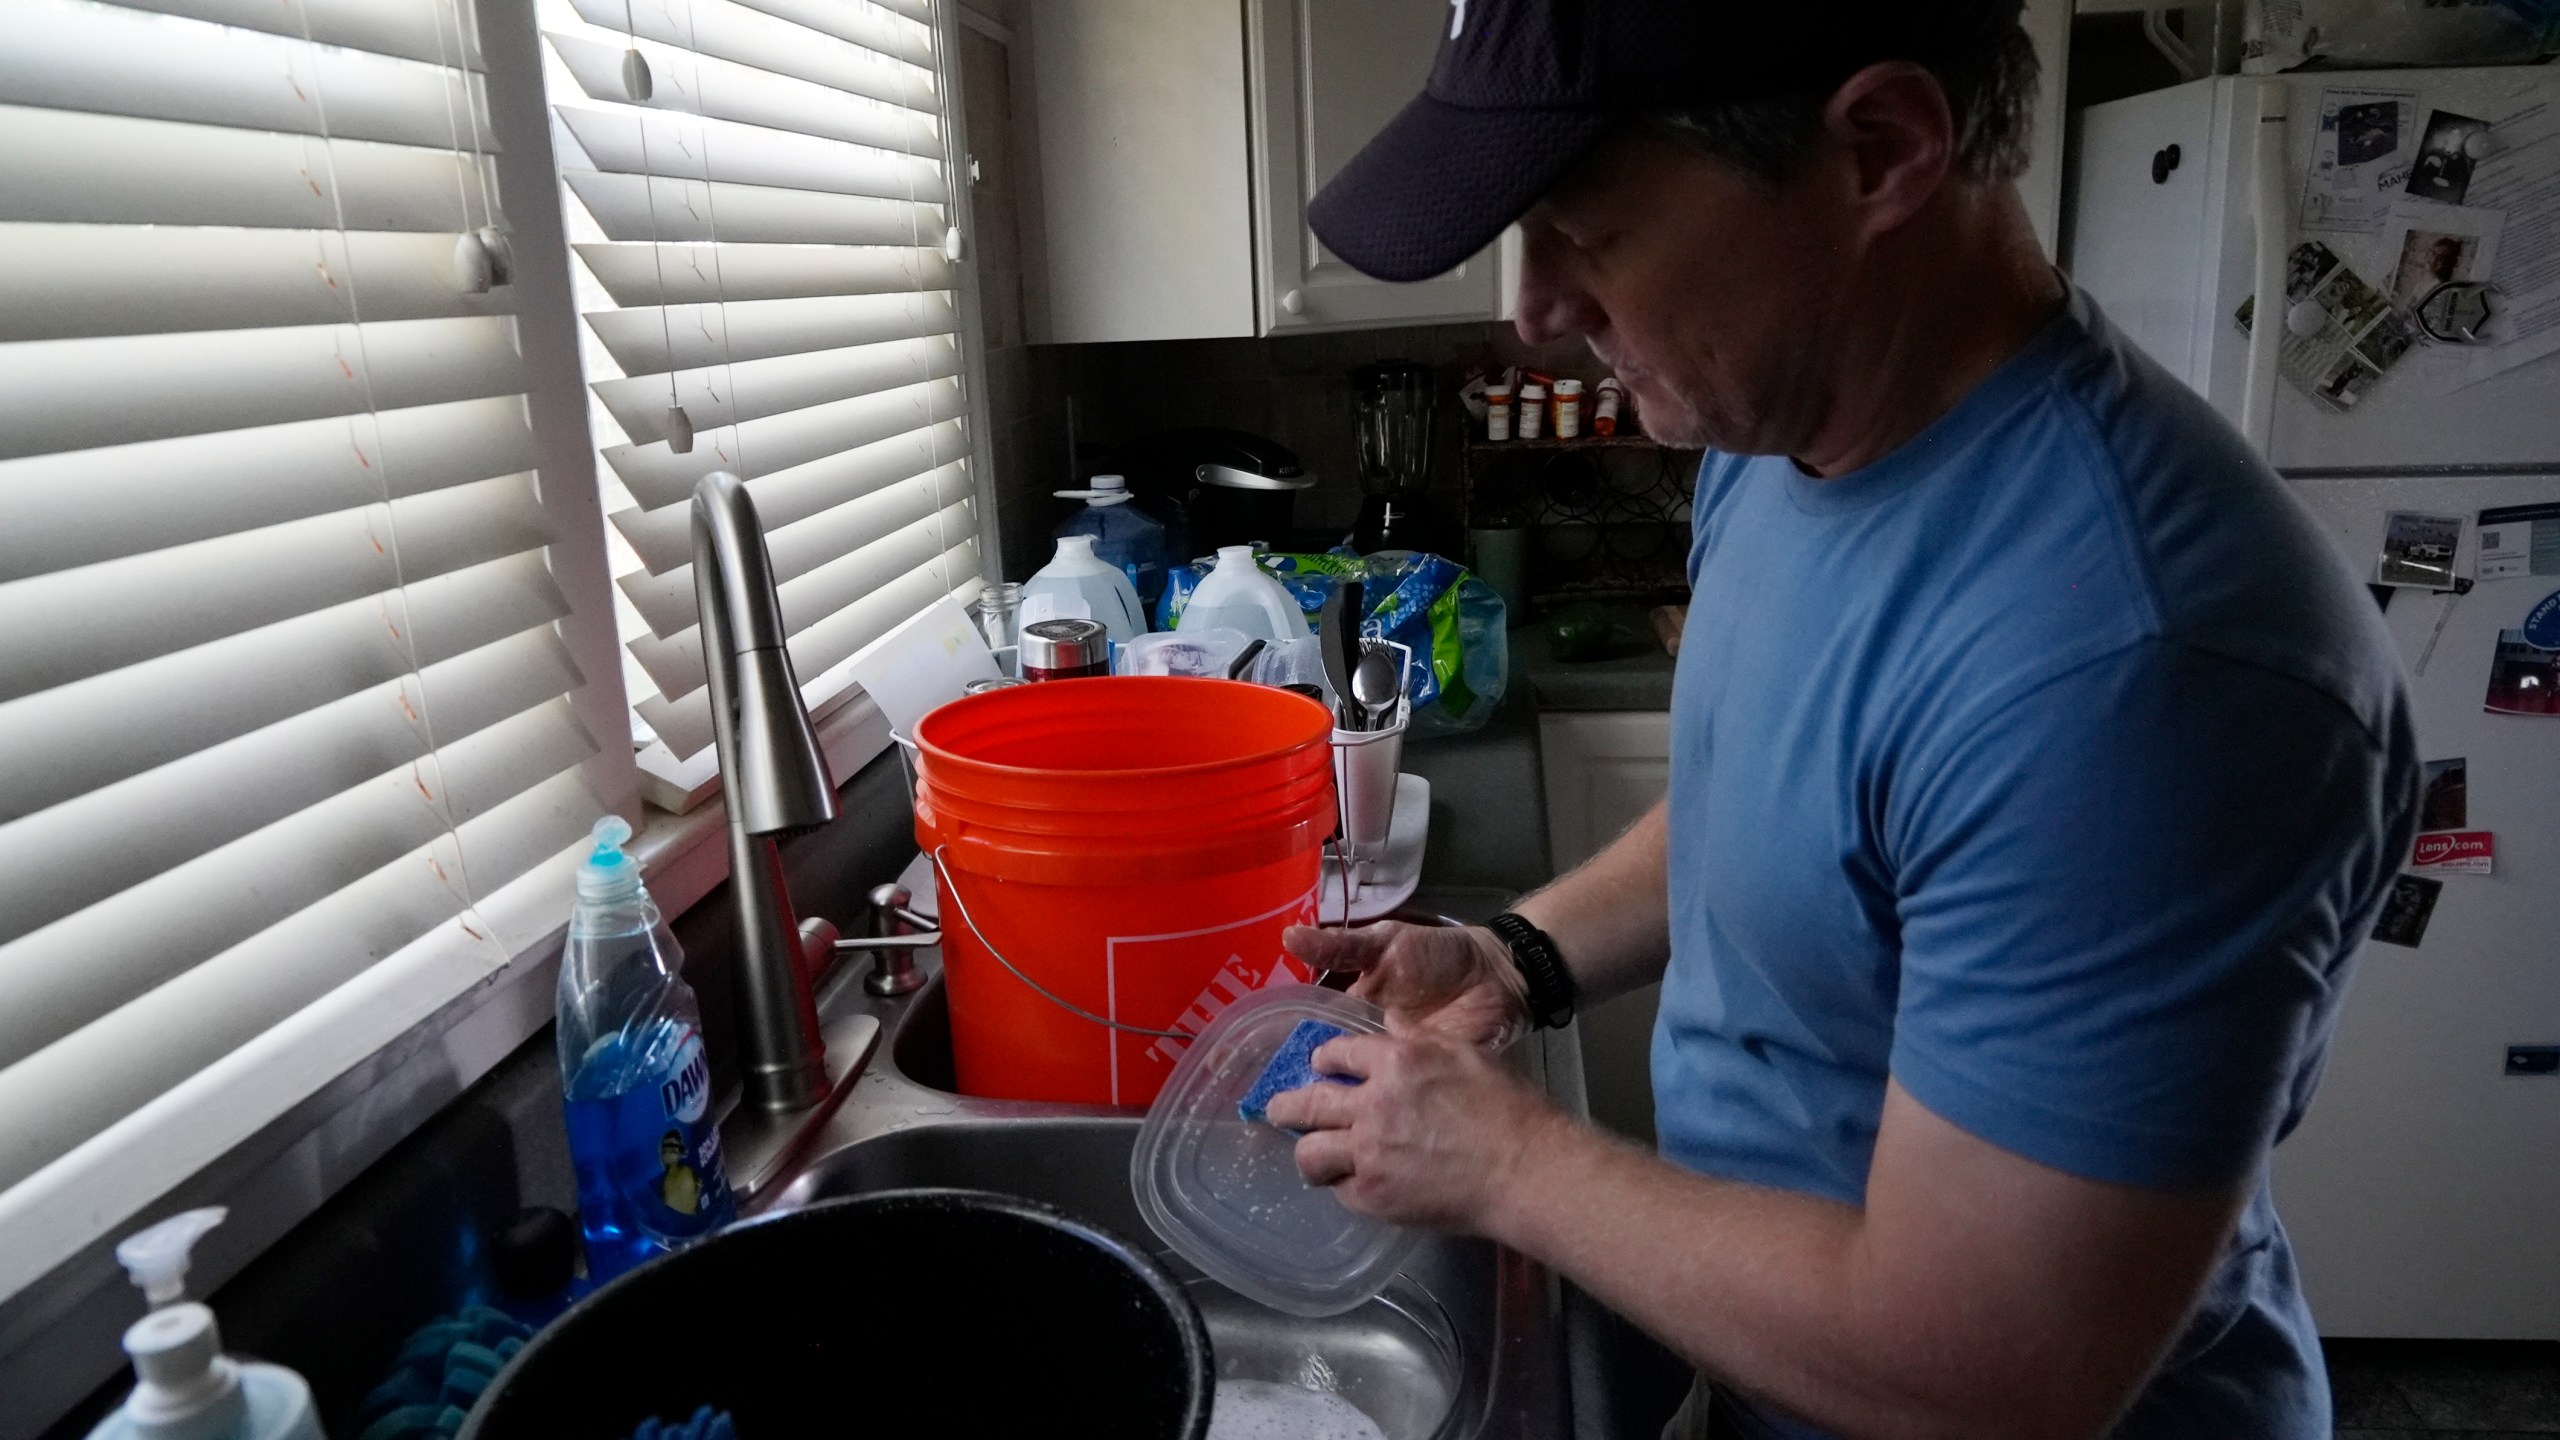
(1293, 303)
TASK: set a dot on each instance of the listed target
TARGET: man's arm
(1611, 916)
(1978, 1294)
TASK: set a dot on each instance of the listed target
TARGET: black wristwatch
(1550, 995)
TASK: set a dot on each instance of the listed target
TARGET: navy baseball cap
(1524, 88)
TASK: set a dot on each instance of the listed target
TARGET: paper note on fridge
(2520, 176)
(2367, 144)
(2517, 540)
(2455, 852)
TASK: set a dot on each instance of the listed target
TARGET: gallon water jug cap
(1106, 490)
(608, 874)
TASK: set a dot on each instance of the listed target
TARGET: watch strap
(1550, 984)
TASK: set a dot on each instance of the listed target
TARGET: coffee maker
(1393, 406)
(1212, 487)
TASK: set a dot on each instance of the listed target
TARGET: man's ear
(1892, 123)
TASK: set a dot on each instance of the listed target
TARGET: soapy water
(1262, 1410)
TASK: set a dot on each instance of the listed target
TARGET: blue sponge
(1292, 1067)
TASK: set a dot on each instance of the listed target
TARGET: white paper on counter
(924, 663)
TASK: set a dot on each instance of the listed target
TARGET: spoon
(1376, 686)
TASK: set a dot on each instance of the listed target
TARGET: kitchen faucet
(775, 784)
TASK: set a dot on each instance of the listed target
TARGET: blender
(1393, 402)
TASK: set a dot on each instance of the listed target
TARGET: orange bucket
(1116, 858)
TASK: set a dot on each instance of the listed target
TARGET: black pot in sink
(906, 1312)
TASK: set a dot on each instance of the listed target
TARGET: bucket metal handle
(952, 893)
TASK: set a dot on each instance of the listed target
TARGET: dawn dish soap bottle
(185, 1387)
(631, 1065)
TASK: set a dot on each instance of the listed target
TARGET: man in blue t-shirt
(2036, 766)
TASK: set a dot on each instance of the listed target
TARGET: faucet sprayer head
(775, 779)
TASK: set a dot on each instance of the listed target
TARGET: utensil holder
(1365, 765)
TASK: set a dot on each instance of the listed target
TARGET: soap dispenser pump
(186, 1388)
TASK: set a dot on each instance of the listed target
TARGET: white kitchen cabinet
(1178, 143)
(1601, 771)
(1326, 76)
(1143, 225)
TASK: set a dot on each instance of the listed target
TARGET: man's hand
(1443, 979)
(1433, 1135)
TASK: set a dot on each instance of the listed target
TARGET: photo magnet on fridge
(2443, 169)
(2444, 800)
(2418, 550)
(2524, 678)
(2404, 915)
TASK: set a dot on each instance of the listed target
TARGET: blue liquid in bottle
(637, 1088)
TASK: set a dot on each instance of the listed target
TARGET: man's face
(1708, 292)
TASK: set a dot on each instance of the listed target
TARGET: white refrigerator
(2423, 1189)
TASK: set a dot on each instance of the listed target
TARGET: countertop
(1639, 681)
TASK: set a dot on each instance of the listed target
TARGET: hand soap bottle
(186, 1388)
(638, 1090)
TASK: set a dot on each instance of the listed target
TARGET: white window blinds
(757, 194)
(288, 750)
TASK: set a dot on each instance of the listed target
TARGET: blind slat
(645, 274)
(69, 974)
(656, 475)
(73, 624)
(666, 601)
(100, 730)
(80, 394)
(675, 663)
(627, 140)
(652, 340)
(701, 85)
(94, 1076)
(66, 165)
(663, 538)
(866, 25)
(432, 32)
(642, 207)
(84, 506)
(921, 10)
(73, 55)
(64, 859)
(138, 279)
(718, 396)
(685, 723)
(734, 32)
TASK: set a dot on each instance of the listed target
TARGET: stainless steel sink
(1465, 1344)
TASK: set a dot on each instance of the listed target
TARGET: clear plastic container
(1224, 1192)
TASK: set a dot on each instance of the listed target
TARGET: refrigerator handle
(2271, 176)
